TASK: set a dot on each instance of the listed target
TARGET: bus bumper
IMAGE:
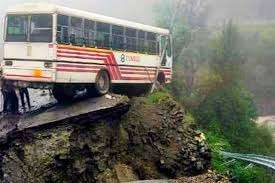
(28, 73)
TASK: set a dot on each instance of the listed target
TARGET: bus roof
(32, 8)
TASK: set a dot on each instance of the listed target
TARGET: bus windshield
(29, 28)
(17, 26)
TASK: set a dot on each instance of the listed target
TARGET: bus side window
(76, 32)
(89, 33)
(141, 42)
(117, 37)
(103, 35)
(131, 39)
(152, 43)
(62, 29)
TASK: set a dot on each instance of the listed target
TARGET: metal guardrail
(256, 159)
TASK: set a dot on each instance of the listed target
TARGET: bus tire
(101, 86)
(64, 94)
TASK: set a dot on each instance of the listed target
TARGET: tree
(190, 16)
(227, 58)
(189, 40)
(230, 104)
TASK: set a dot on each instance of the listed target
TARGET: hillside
(154, 140)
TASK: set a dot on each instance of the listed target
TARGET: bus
(48, 46)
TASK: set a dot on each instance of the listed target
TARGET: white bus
(50, 46)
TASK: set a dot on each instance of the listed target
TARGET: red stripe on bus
(80, 53)
(77, 70)
(80, 66)
(165, 69)
(81, 57)
(143, 68)
(83, 49)
(142, 73)
(106, 61)
(113, 62)
(109, 60)
(137, 69)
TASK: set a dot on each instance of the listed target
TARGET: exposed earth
(153, 140)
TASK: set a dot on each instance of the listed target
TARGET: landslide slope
(153, 140)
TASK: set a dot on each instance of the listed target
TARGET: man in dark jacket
(23, 91)
(4, 94)
(11, 98)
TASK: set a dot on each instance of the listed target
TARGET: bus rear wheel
(64, 94)
(101, 86)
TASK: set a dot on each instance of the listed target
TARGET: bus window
(103, 35)
(62, 29)
(131, 39)
(117, 37)
(41, 28)
(89, 33)
(17, 26)
(76, 32)
(141, 42)
(152, 43)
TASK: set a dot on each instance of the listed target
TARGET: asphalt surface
(38, 98)
(45, 110)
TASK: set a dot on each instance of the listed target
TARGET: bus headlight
(48, 65)
(8, 63)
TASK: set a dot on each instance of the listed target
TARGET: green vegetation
(239, 171)
(232, 109)
(215, 80)
(157, 97)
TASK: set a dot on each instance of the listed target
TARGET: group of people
(10, 99)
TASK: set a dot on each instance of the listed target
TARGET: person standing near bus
(23, 91)
(4, 96)
(11, 98)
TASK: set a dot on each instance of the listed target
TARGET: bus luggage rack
(252, 158)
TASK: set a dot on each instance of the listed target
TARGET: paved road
(37, 97)
(47, 112)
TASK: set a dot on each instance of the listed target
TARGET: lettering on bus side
(129, 58)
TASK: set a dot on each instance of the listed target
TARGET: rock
(180, 130)
(125, 173)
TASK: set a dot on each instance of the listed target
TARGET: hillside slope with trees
(211, 79)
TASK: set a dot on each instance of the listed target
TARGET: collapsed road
(53, 114)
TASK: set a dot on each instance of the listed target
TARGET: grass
(239, 171)
(158, 96)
